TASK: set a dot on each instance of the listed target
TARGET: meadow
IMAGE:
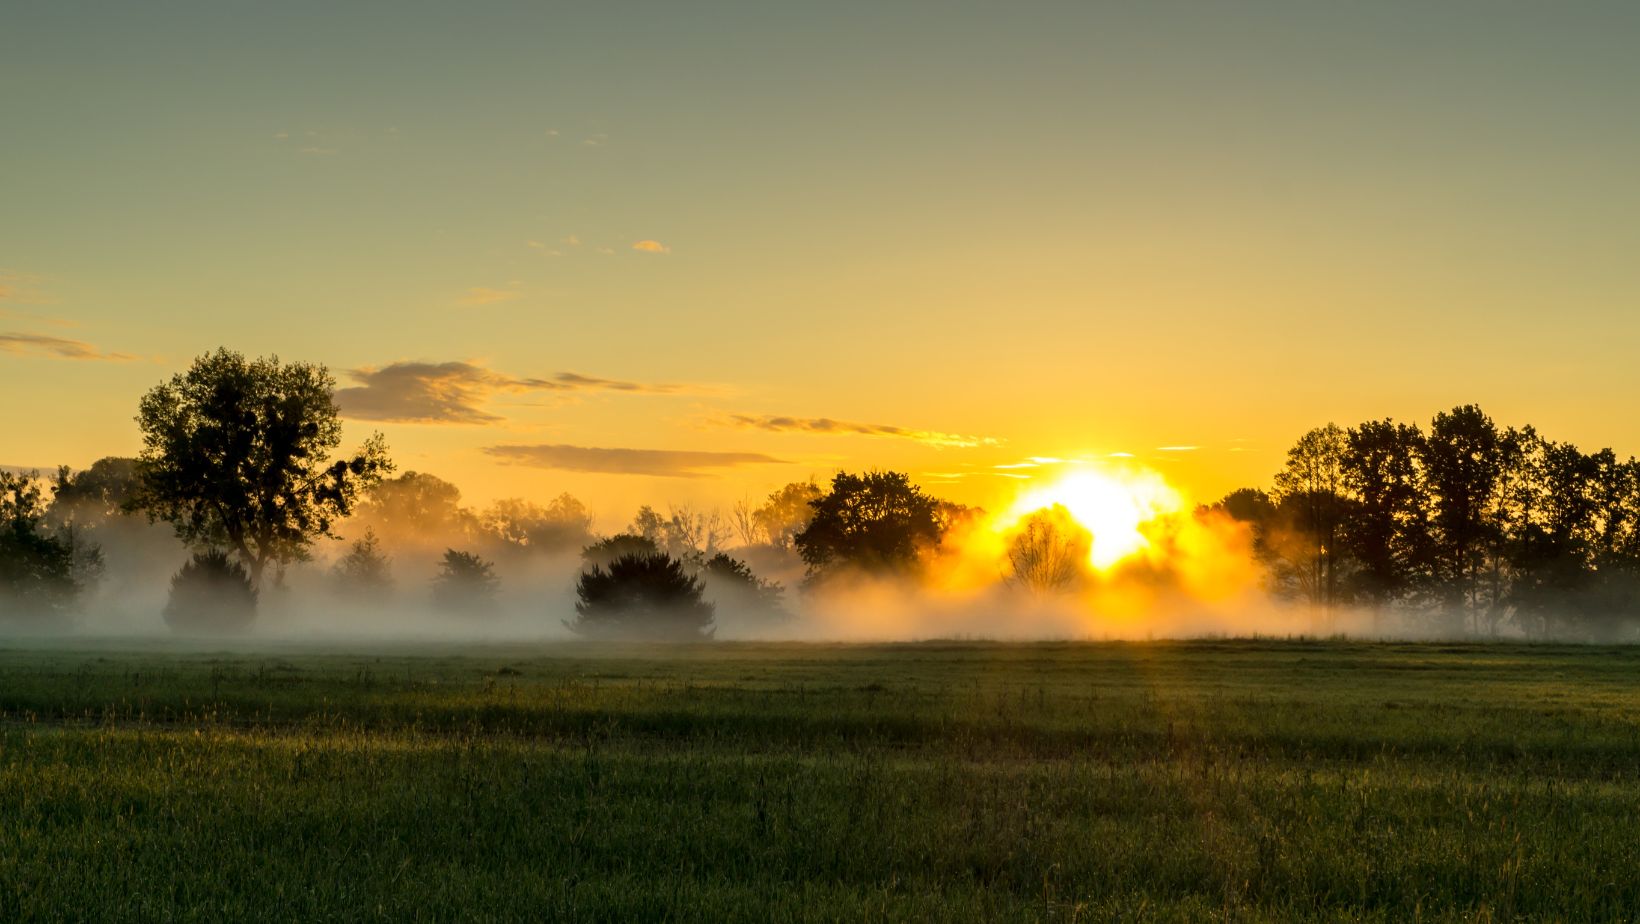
(1244, 780)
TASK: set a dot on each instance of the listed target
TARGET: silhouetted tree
(416, 508)
(236, 454)
(1387, 531)
(642, 596)
(1462, 462)
(608, 549)
(730, 583)
(37, 566)
(787, 513)
(1311, 502)
(564, 524)
(687, 534)
(465, 583)
(364, 572)
(878, 521)
(1049, 551)
(212, 593)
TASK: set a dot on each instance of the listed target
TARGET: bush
(212, 593)
(465, 582)
(732, 585)
(364, 572)
(642, 596)
(37, 566)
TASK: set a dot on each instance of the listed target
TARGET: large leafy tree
(1463, 459)
(1310, 495)
(1388, 531)
(237, 454)
(878, 521)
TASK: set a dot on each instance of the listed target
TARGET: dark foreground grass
(1232, 780)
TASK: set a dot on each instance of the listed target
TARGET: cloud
(481, 295)
(825, 425)
(651, 247)
(667, 463)
(455, 392)
(21, 344)
(316, 150)
(1177, 448)
(22, 288)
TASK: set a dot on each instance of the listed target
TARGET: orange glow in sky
(1113, 504)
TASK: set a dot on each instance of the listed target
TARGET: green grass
(1240, 780)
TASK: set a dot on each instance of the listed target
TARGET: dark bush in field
(36, 565)
(465, 582)
(642, 596)
(730, 584)
(212, 593)
(364, 572)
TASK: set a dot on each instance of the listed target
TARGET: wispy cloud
(22, 344)
(651, 247)
(455, 392)
(669, 463)
(1177, 448)
(22, 288)
(825, 425)
(318, 150)
(478, 296)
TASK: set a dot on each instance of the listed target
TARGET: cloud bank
(825, 425)
(455, 392)
(667, 463)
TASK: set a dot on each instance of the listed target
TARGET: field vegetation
(1233, 780)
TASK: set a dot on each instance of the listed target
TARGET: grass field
(1241, 780)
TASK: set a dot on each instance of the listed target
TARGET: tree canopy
(878, 521)
(237, 454)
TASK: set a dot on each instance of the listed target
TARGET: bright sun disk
(1113, 505)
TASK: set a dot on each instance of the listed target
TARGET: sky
(686, 253)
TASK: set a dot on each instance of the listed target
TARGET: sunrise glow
(1115, 505)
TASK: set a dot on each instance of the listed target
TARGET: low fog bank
(535, 603)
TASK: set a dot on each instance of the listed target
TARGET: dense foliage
(642, 596)
(875, 522)
(236, 455)
(37, 563)
(1481, 526)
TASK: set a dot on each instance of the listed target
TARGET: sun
(1114, 505)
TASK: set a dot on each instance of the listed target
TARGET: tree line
(240, 460)
(1467, 527)
(1463, 527)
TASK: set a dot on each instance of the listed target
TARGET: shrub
(642, 596)
(364, 571)
(731, 584)
(465, 582)
(212, 593)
